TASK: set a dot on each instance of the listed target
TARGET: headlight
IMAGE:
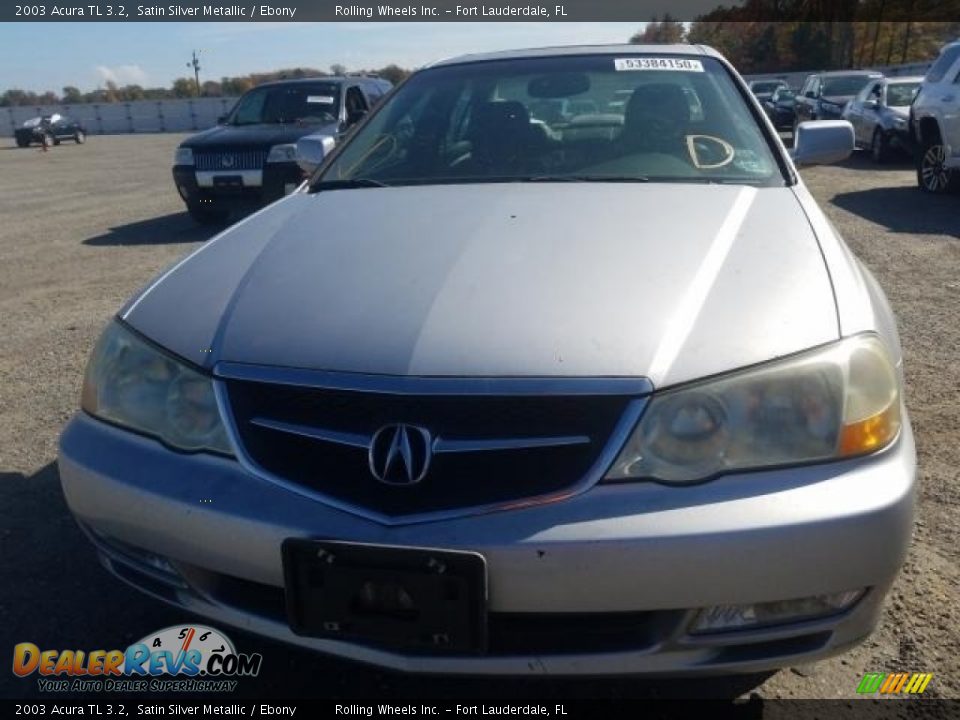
(130, 383)
(834, 402)
(282, 153)
(183, 156)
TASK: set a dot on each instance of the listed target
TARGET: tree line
(769, 36)
(181, 87)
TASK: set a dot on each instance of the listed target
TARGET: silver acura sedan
(501, 390)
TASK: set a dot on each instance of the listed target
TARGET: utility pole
(195, 64)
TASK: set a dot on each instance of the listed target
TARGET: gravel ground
(82, 227)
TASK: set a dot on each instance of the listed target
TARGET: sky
(48, 56)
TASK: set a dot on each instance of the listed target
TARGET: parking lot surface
(82, 227)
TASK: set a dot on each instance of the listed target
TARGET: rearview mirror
(312, 149)
(558, 85)
(821, 142)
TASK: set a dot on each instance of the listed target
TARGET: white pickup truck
(935, 124)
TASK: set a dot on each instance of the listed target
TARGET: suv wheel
(932, 174)
(22, 142)
(208, 216)
(880, 147)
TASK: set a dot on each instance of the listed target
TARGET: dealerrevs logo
(199, 658)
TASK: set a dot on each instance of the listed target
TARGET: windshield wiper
(587, 178)
(348, 184)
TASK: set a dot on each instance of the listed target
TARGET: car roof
(837, 73)
(903, 79)
(571, 50)
(324, 78)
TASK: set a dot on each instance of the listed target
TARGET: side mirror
(222, 120)
(821, 142)
(871, 104)
(312, 149)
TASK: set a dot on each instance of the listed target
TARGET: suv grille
(535, 444)
(230, 160)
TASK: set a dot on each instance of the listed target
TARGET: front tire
(880, 147)
(932, 174)
(208, 216)
(23, 142)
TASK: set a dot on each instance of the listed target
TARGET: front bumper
(260, 186)
(200, 532)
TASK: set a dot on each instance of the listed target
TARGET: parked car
(824, 95)
(763, 89)
(478, 400)
(248, 159)
(780, 108)
(880, 115)
(48, 130)
(935, 124)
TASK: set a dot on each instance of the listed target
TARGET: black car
(49, 130)
(763, 89)
(249, 158)
(780, 108)
(825, 95)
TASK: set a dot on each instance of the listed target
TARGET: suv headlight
(183, 156)
(835, 402)
(131, 383)
(282, 153)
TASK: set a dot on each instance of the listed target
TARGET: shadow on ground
(163, 230)
(904, 209)
(56, 595)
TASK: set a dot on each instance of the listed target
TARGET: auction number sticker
(655, 63)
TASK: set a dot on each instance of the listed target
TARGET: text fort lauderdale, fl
(368, 11)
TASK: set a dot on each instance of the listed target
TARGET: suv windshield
(682, 119)
(843, 85)
(308, 103)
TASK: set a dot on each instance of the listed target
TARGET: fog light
(741, 617)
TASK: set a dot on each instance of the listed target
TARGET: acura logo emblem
(227, 161)
(400, 454)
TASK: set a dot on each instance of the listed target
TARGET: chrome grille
(227, 160)
(489, 450)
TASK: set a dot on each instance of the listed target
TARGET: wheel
(56, 140)
(79, 137)
(932, 174)
(208, 216)
(880, 147)
(22, 142)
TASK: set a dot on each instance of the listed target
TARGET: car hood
(668, 281)
(253, 135)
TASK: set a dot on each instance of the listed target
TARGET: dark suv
(825, 95)
(249, 158)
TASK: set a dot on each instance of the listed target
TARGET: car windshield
(306, 103)
(682, 119)
(902, 94)
(764, 87)
(784, 96)
(843, 85)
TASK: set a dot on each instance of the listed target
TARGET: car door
(807, 99)
(870, 109)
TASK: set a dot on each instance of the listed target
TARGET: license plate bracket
(228, 183)
(412, 599)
